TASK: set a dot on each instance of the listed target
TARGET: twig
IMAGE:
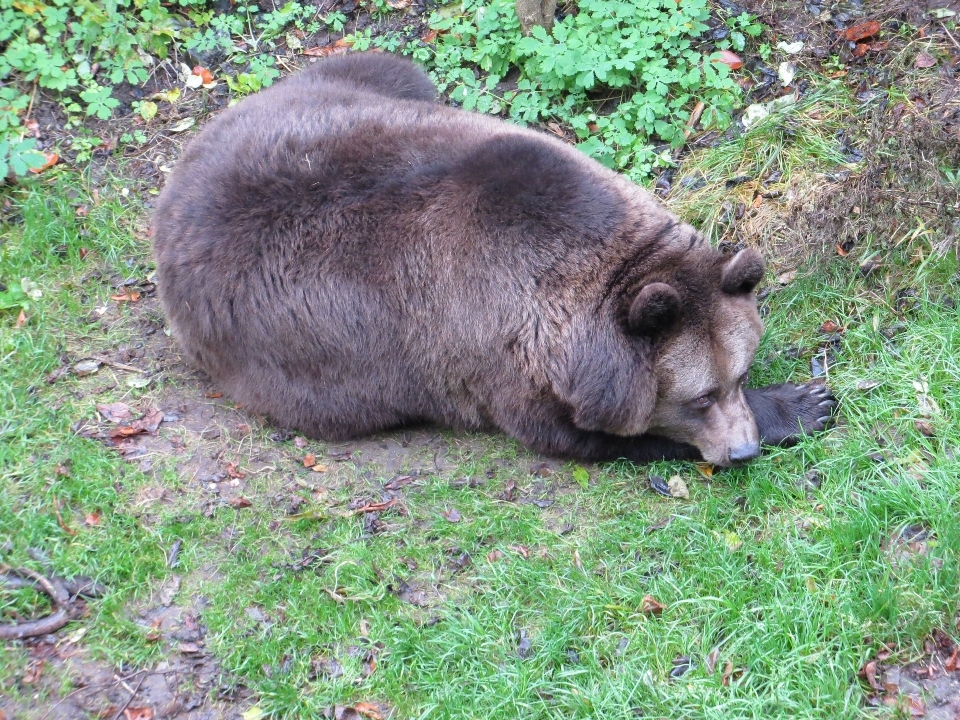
(133, 694)
(118, 365)
(949, 34)
(63, 613)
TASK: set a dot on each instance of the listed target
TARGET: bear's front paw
(785, 412)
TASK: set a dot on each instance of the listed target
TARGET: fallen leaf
(861, 31)
(374, 507)
(710, 663)
(50, 159)
(869, 673)
(786, 72)
(522, 550)
(368, 710)
(430, 36)
(399, 4)
(254, 713)
(213, 395)
(115, 412)
(128, 295)
(239, 502)
(829, 327)
(705, 469)
(398, 482)
(21, 319)
(732, 540)
(678, 488)
(309, 460)
(659, 486)
(649, 605)
(730, 59)
(93, 518)
(727, 674)
(451, 515)
(206, 77)
(147, 424)
(582, 477)
(189, 648)
(138, 713)
(924, 60)
(952, 662)
(183, 125)
(917, 707)
(790, 48)
(787, 277)
(340, 46)
(841, 251)
(86, 367)
(319, 468)
(234, 472)
(576, 560)
(34, 672)
(60, 522)
(494, 555)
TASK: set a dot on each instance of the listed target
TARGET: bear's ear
(654, 309)
(742, 273)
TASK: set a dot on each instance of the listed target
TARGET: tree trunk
(535, 12)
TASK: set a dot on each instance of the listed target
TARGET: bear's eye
(703, 402)
(743, 379)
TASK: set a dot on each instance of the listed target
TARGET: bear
(344, 255)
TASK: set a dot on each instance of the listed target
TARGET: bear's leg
(784, 412)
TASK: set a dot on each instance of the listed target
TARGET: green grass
(793, 586)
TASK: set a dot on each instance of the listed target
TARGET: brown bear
(345, 255)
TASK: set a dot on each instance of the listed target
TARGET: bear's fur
(344, 255)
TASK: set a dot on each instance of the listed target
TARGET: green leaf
(582, 477)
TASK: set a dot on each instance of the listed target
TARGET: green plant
(740, 26)
(622, 76)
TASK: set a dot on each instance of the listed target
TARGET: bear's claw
(786, 412)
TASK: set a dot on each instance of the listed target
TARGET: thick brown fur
(344, 255)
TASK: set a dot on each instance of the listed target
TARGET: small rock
(678, 488)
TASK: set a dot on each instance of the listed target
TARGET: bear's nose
(744, 452)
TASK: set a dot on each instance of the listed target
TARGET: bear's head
(704, 338)
(677, 362)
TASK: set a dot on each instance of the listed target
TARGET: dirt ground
(903, 144)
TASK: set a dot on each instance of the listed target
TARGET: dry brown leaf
(239, 502)
(93, 518)
(138, 713)
(521, 550)
(451, 515)
(576, 560)
(952, 663)
(924, 60)
(829, 327)
(869, 673)
(115, 412)
(213, 395)
(368, 710)
(21, 320)
(374, 507)
(494, 555)
(309, 460)
(705, 469)
(710, 663)
(861, 31)
(206, 77)
(340, 46)
(50, 159)
(730, 59)
(430, 36)
(651, 606)
(128, 295)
